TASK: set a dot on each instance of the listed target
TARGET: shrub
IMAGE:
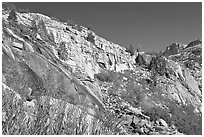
(90, 38)
(104, 77)
(182, 116)
(89, 27)
(77, 27)
(67, 29)
(8, 6)
(71, 22)
(34, 26)
(56, 19)
(59, 118)
(42, 30)
(41, 25)
(62, 51)
(51, 36)
(12, 16)
(131, 50)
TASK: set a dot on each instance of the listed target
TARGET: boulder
(162, 123)
(173, 49)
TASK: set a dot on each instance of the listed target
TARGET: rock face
(194, 43)
(42, 57)
(173, 49)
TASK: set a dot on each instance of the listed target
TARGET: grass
(51, 117)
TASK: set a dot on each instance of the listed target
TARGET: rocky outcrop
(194, 43)
(140, 60)
(69, 63)
(173, 49)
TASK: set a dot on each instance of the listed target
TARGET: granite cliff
(73, 74)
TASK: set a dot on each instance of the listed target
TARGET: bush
(41, 25)
(12, 16)
(77, 27)
(59, 118)
(131, 50)
(104, 77)
(8, 6)
(90, 27)
(62, 51)
(34, 26)
(25, 32)
(51, 36)
(90, 38)
(56, 19)
(41, 28)
(182, 116)
(67, 29)
(71, 22)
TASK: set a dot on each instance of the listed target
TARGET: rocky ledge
(55, 70)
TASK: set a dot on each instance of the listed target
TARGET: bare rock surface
(73, 70)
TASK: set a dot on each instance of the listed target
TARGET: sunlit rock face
(173, 49)
(150, 94)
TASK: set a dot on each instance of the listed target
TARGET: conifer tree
(12, 16)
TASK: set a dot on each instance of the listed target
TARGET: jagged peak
(194, 43)
(177, 48)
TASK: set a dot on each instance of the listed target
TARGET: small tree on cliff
(34, 26)
(12, 16)
(131, 49)
(90, 38)
(8, 6)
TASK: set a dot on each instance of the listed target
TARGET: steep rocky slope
(173, 49)
(77, 71)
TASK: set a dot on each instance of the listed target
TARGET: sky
(150, 26)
